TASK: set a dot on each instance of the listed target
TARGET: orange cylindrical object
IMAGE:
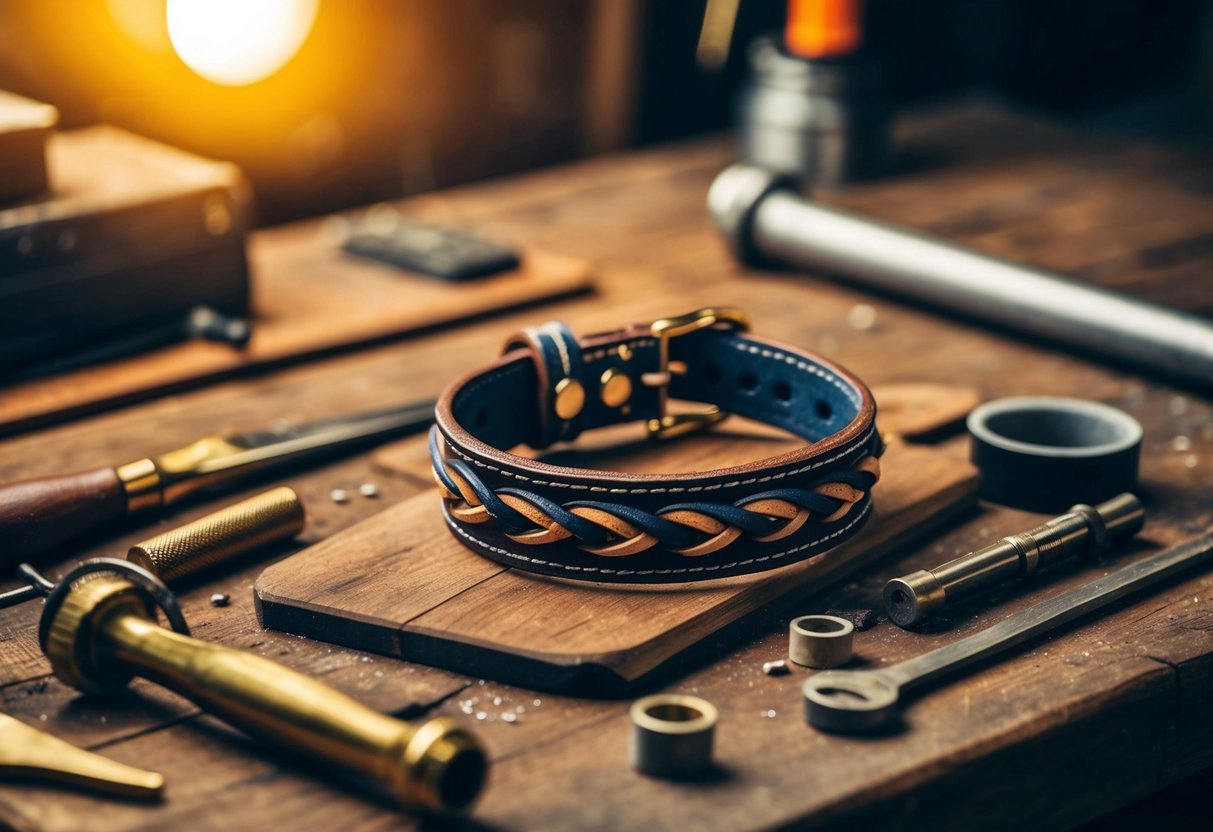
(824, 28)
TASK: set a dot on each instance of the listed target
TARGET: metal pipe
(765, 219)
(917, 596)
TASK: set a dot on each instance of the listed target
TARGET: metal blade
(215, 460)
(325, 432)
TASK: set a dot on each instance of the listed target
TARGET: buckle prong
(668, 425)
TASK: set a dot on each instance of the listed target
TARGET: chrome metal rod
(766, 220)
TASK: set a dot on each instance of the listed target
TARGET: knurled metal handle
(240, 528)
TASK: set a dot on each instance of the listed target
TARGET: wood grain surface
(309, 298)
(1064, 731)
(400, 583)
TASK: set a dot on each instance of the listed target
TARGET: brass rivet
(615, 387)
(625, 352)
(570, 398)
(216, 217)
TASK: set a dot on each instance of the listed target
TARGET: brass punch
(99, 629)
(28, 753)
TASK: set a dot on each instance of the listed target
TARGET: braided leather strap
(609, 526)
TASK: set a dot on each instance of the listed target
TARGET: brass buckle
(669, 425)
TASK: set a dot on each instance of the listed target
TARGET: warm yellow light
(238, 42)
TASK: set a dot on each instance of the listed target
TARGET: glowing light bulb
(237, 42)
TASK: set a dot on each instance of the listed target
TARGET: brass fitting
(104, 632)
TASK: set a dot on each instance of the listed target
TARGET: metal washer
(164, 597)
(820, 641)
(672, 735)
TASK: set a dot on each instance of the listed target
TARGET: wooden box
(131, 232)
(25, 127)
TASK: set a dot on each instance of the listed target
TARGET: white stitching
(863, 513)
(634, 343)
(851, 395)
(554, 333)
(663, 490)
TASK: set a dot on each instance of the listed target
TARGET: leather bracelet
(651, 528)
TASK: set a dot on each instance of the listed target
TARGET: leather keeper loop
(560, 389)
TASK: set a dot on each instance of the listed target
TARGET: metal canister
(821, 121)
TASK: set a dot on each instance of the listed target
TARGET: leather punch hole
(560, 391)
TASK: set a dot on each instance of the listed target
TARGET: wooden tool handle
(42, 514)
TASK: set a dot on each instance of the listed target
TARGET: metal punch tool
(99, 629)
(864, 701)
(1083, 529)
(32, 755)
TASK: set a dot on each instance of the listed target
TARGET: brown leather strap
(606, 525)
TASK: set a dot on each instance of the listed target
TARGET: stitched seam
(558, 339)
(686, 570)
(603, 352)
(665, 489)
(800, 364)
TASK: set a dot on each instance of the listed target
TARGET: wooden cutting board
(309, 298)
(400, 584)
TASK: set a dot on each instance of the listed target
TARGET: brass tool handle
(42, 514)
(28, 753)
(268, 517)
(435, 766)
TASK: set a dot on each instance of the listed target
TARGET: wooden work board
(309, 298)
(400, 584)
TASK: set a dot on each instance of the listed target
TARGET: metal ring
(1047, 453)
(161, 594)
(36, 587)
(672, 735)
(820, 641)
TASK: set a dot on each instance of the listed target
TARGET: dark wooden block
(25, 127)
(131, 232)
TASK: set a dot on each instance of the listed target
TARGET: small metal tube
(233, 531)
(1084, 529)
(672, 735)
(820, 641)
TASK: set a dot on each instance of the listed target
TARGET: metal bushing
(820, 641)
(1046, 454)
(672, 735)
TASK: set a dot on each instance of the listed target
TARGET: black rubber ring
(1046, 454)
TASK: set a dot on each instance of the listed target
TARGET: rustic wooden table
(1097, 716)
